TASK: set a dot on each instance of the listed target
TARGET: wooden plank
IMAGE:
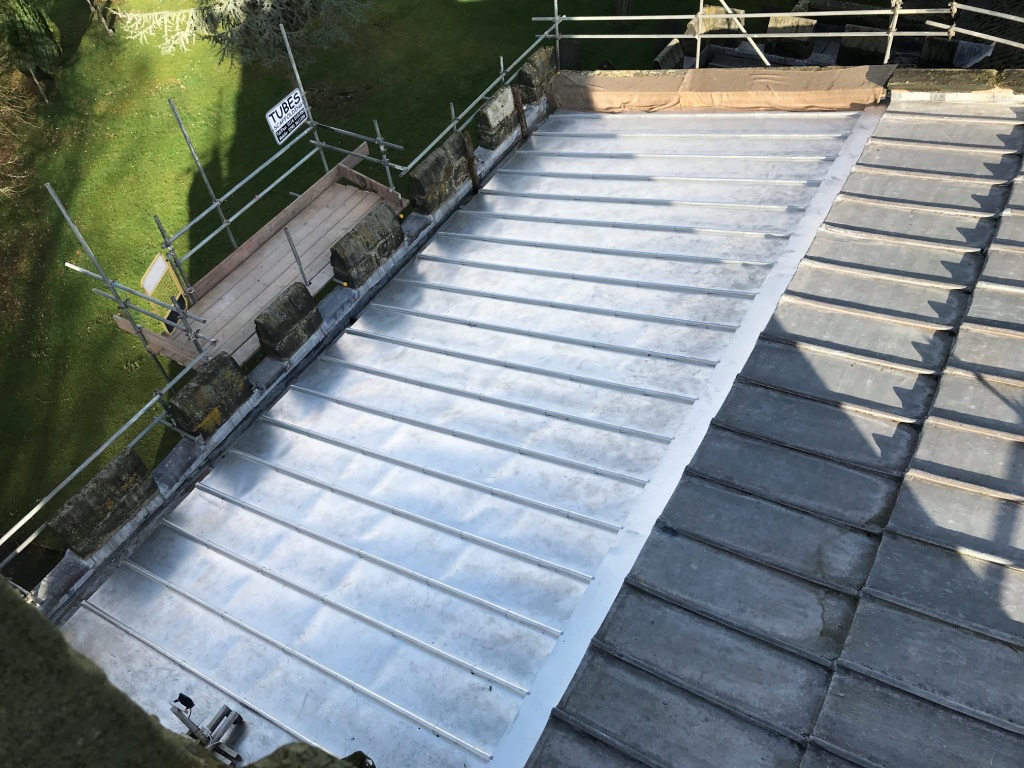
(244, 347)
(335, 198)
(161, 345)
(325, 203)
(389, 196)
(240, 324)
(260, 292)
(277, 255)
(338, 197)
(276, 278)
(231, 306)
(351, 161)
(237, 257)
(268, 230)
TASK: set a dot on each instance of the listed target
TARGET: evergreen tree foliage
(249, 30)
(32, 39)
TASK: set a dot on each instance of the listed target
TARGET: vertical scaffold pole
(109, 283)
(558, 40)
(897, 5)
(384, 155)
(295, 255)
(305, 102)
(700, 29)
(202, 174)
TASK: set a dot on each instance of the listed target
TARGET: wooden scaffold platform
(232, 294)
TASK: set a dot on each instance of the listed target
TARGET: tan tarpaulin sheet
(796, 89)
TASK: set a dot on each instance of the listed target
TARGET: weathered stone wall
(305, 756)
(1003, 57)
(107, 502)
(367, 245)
(709, 25)
(211, 396)
(58, 708)
(439, 175)
(290, 319)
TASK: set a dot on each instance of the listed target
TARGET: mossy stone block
(937, 53)
(1012, 79)
(536, 73)
(439, 175)
(88, 520)
(365, 247)
(858, 51)
(944, 80)
(289, 321)
(211, 396)
(791, 47)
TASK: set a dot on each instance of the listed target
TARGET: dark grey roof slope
(835, 581)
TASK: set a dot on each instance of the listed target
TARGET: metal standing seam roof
(413, 550)
(836, 581)
(410, 552)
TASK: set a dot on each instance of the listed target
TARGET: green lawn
(111, 149)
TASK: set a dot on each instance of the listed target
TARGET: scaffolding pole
(302, 94)
(202, 173)
(110, 284)
(176, 265)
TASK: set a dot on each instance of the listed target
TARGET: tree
(249, 30)
(33, 40)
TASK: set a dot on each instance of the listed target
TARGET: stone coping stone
(365, 247)
(288, 321)
(306, 756)
(1013, 79)
(944, 80)
(536, 73)
(211, 396)
(439, 175)
(108, 501)
(855, 51)
(497, 120)
(60, 709)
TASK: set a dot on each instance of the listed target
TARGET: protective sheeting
(796, 90)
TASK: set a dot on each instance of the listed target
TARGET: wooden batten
(389, 196)
(157, 343)
(267, 231)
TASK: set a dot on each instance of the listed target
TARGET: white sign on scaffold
(285, 117)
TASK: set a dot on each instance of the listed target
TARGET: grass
(109, 146)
